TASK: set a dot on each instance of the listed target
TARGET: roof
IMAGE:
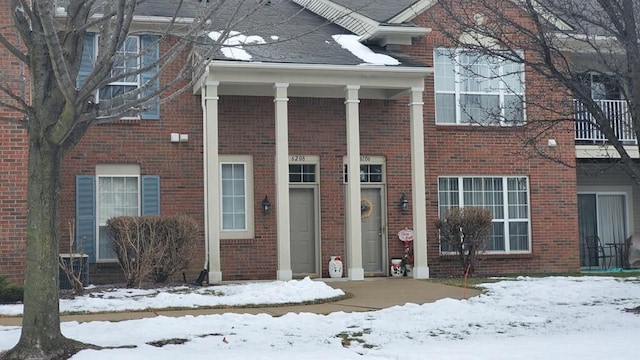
(277, 31)
(282, 31)
(378, 10)
(582, 16)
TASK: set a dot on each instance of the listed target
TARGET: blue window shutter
(88, 58)
(150, 49)
(150, 195)
(85, 215)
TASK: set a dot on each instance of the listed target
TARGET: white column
(354, 227)
(421, 268)
(211, 179)
(282, 182)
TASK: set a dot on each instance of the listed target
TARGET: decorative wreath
(366, 208)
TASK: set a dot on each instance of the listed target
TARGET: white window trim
(306, 160)
(368, 160)
(247, 161)
(457, 94)
(137, 83)
(112, 170)
(506, 220)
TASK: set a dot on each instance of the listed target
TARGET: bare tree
(59, 105)
(568, 43)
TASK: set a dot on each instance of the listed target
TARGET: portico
(282, 82)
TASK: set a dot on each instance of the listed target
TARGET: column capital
(211, 83)
(352, 87)
(281, 85)
(417, 89)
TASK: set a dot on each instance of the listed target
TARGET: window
(603, 87)
(135, 52)
(302, 173)
(115, 190)
(117, 196)
(126, 61)
(506, 197)
(236, 176)
(369, 173)
(472, 88)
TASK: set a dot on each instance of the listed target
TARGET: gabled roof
(380, 11)
(368, 18)
(290, 34)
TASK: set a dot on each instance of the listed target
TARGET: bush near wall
(152, 247)
(466, 231)
(10, 293)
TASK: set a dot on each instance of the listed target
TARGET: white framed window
(472, 88)
(506, 197)
(372, 169)
(117, 194)
(236, 197)
(127, 61)
(136, 53)
(303, 169)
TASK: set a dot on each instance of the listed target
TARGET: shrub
(466, 231)
(72, 266)
(152, 246)
(10, 293)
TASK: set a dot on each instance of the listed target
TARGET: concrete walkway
(368, 295)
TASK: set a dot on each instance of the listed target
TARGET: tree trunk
(41, 337)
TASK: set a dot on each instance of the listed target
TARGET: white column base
(420, 272)
(285, 275)
(215, 277)
(356, 274)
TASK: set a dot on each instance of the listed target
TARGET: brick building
(331, 135)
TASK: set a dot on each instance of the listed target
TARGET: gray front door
(372, 231)
(303, 231)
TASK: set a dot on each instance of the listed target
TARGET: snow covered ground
(525, 318)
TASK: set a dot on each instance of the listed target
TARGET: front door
(302, 231)
(372, 231)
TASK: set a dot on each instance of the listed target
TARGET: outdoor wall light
(266, 205)
(404, 203)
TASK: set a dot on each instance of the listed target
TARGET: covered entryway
(373, 232)
(303, 225)
(351, 83)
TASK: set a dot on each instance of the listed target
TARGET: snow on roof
(352, 44)
(232, 46)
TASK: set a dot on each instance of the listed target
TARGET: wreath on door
(366, 208)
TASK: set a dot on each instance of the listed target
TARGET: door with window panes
(303, 215)
(372, 215)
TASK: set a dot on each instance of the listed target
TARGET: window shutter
(150, 195)
(85, 215)
(150, 49)
(88, 58)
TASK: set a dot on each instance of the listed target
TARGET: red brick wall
(146, 143)
(13, 164)
(500, 151)
(316, 127)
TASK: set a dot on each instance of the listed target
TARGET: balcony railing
(615, 110)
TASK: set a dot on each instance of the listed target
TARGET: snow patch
(233, 45)
(352, 44)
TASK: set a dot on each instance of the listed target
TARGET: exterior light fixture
(404, 203)
(266, 205)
